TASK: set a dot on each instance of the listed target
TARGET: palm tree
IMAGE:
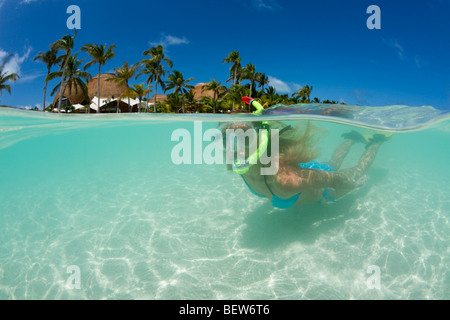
(174, 100)
(235, 93)
(250, 74)
(5, 76)
(149, 68)
(189, 99)
(218, 90)
(75, 77)
(233, 57)
(262, 80)
(297, 97)
(304, 92)
(270, 96)
(100, 54)
(65, 44)
(123, 76)
(178, 83)
(157, 71)
(138, 90)
(49, 58)
(307, 90)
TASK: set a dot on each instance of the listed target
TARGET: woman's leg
(340, 153)
(367, 158)
(342, 150)
(357, 173)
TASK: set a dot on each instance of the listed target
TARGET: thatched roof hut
(108, 88)
(199, 93)
(73, 95)
(159, 98)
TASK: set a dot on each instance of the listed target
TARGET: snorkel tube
(242, 168)
(252, 102)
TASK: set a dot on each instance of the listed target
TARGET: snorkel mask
(241, 166)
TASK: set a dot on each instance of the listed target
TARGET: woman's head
(298, 145)
(243, 142)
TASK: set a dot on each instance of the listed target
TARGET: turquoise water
(102, 194)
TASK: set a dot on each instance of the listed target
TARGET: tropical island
(79, 91)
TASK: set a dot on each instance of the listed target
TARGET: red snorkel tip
(247, 100)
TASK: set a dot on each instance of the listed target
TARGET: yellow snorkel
(243, 167)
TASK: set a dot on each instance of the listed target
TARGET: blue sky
(323, 43)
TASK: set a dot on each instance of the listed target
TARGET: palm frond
(89, 64)
(6, 87)
(5, 61)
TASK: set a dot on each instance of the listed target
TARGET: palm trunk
(234, 83)
(184, 111)
(45, 93)
(61, 94)
(214, 103)
(148, 99)
(129, 108)
(45, 90)
(98, 87)
(63, 78)
(156, 88)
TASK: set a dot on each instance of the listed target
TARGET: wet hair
(298, 145)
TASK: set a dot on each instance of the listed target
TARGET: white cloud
(31, 106)
(398, 48)
(418, 62)
(171, 40)
(282, 86)
(360, 96)
(401, 52)
(3, 54)
(31, 77)
(25, 2)
(15, 62)
(168, 40)
(270, 5)
(279, 85)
